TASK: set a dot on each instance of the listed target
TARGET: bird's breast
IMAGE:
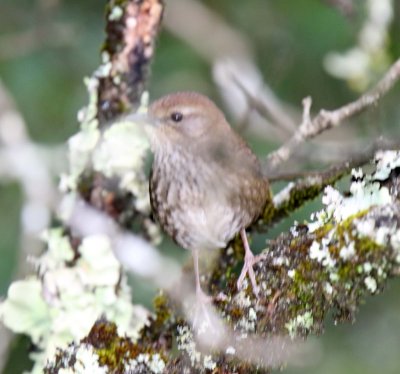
(195, 203)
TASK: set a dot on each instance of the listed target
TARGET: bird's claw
(249, 261)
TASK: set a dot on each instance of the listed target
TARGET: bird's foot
(202, 311)
(249, 261)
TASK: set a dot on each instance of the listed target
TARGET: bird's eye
(177, 116)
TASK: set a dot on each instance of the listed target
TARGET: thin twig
(266, 107)
(352, 161)
(326, 120)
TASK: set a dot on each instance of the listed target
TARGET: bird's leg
(202, 299)
(200, 295)
(249, 261)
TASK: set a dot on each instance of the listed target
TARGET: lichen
(301, 322)
(324, 267)
(72, 288)
(116, 13)
(295, 195)
(105, 351)
(187, 344)
(122, 153)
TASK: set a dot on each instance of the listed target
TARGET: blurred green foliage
(290, 39)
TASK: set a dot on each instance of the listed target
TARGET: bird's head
(185, 117)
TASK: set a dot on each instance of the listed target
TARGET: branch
(328, 266)
(308, 185)
(110, 177)
(326, 120)
(106, 171)
(129, 47)
(265, 104)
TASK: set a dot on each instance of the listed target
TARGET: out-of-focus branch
(106, 168)
(22, 161)
(210, 35)
(244, 91)
(266, 104)
(30, 165)
(325, 120)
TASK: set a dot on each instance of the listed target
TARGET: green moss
(162, 309)
(367, 245)
(269, 211)
(297, 198)
(303, 192)
(115, 351)
(345, 228)
(111, 349)
(323, 231)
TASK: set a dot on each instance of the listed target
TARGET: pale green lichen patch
(87, 116)
(146, 363)
(365, 191)
(25, 310)
(61, 304)
(386, 161)
(339, 208)
(59, 248)
(85, 361)
(115, 13)
(80, 150)
(371, 284)
(301, 322)
(122, 153)
(106, 351)
(187, 344)
(114, 159)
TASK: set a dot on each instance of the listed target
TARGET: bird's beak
(145, 119)
(149, 124)
(151, 120)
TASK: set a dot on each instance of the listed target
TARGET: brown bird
(206, 184)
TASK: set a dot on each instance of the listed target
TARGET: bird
(206, 185)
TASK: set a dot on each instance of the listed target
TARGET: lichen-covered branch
(78, 278)
(107, 156)
(297, 193)
(306, 186)
(329, 265)
(131, 29)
